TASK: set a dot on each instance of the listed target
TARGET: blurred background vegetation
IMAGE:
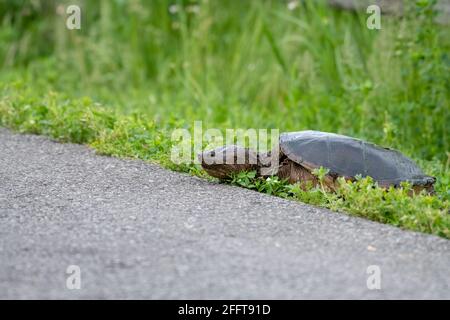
(291, 65)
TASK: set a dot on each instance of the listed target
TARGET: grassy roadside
(136, 136)
(139, 69)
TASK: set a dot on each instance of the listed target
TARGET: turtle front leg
(295, 173)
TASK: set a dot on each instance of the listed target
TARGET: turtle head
(225, 161)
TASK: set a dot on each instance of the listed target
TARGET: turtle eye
(212, 153)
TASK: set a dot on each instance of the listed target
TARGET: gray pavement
(139, 231)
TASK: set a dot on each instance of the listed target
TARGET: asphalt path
(138, 231)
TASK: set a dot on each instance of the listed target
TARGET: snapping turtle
(303, 151)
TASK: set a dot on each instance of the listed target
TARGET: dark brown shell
(348, 157)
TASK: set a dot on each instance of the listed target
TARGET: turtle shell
(348, 157)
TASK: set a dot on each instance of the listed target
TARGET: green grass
(362, 198)
(136, 71)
